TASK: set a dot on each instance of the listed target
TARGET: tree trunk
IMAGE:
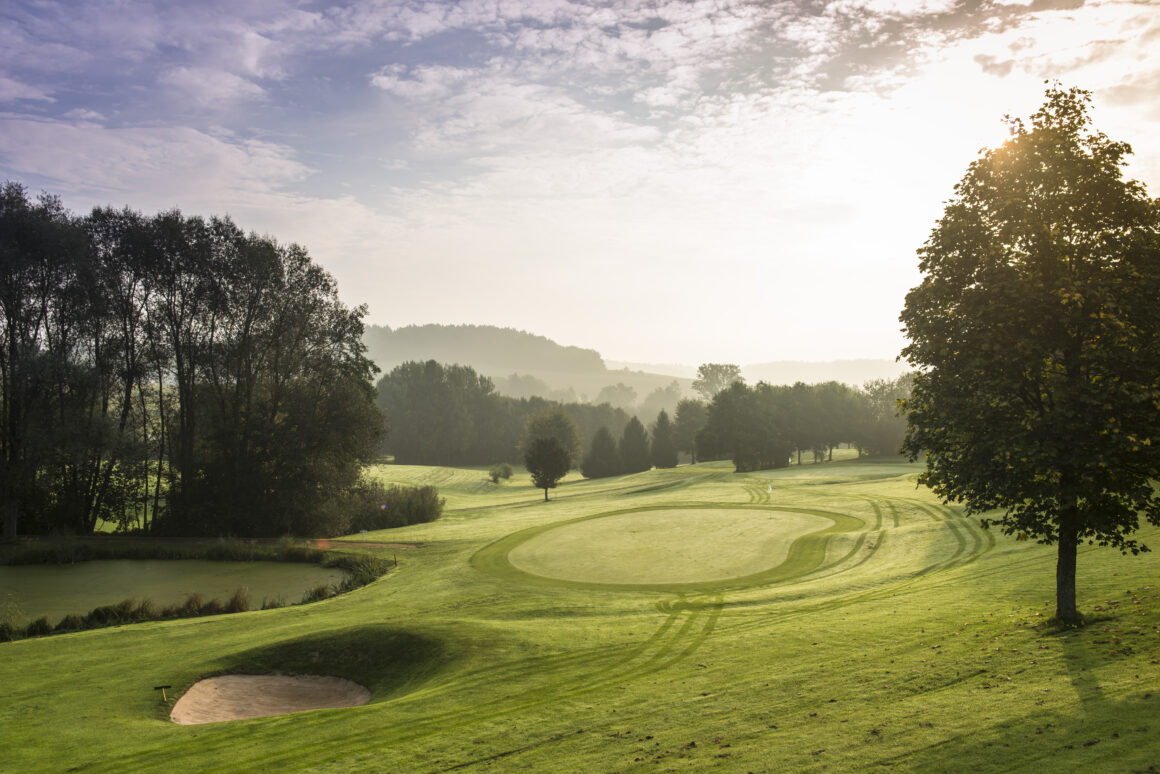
(11, 515)
(1065, 610)
(545, 494)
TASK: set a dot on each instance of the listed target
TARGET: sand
(233, 697)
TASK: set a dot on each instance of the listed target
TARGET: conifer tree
(603, 459)
(635, 455)
(664, 446)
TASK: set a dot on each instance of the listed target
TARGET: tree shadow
(1106, 729)
(386, 660)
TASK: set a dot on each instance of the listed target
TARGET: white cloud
(12, 90)
(209, 87)
(422, 83)
(169, 166)
(633, 157)
(83, 115)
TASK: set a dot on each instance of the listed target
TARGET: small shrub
(213, 607)
(289, 551)
(379, 507)
(110, 615)
(192, 607)
(143, 611)
(7, 632)
(239, 602)
(70, 623)
(361, 569)
(315, 594)
(502, 470)
(105, 615)
(38, 628)
(272, 604)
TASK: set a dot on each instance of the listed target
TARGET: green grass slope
(888, 632)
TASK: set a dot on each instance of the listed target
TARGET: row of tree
(172, 372)
(758, 427)
(451, 415)
(764, 426)
(635, 452)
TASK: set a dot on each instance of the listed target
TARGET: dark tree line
(765, 426)
(450, 415)
(635, 452)
(173, 373)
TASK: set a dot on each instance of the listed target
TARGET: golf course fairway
(824, 617)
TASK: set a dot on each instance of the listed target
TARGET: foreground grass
(904, 637)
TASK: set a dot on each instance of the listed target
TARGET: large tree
(42, 301)
(554, 422)
(438, 414)
(602, 459)
(691, 416)
(1036, 335)
(712, 378)
(548, 462)
(172, 373)
(635, 453)
(880, 428)
(664, 445)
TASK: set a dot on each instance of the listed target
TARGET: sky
(679, 181)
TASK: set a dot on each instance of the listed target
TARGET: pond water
(28, 592)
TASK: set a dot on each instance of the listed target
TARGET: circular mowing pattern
(695, 548)
(663, 547)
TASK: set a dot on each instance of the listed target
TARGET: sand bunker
(233, 697)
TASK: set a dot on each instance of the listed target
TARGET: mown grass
(915, 641)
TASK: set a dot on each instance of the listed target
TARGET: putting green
(671, 546)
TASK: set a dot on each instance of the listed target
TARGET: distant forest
(525, 365)
(451, 415)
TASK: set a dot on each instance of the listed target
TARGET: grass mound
(387, 660)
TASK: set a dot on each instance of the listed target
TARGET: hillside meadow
(828, 617)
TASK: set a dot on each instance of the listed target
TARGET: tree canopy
(635, 453)
(1036, 335)
(664, 445)
(555, 422)
(173, 373)
(602, 459)
(712, 378)
(548, 462)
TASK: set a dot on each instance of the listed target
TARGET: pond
(30, 591)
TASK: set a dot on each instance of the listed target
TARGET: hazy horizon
(666, 182)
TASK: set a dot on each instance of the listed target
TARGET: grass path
(897, 635)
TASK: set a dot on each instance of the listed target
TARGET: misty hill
(485, 348)
(523, 364)
(853, 372)
(520, 363)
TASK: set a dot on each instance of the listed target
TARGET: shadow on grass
(388, 661)
(1108, 666)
